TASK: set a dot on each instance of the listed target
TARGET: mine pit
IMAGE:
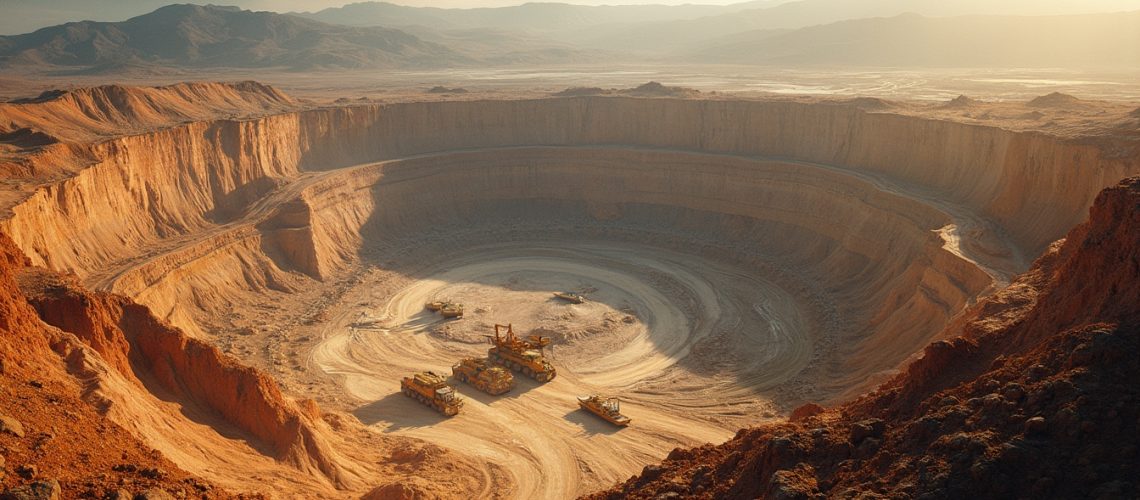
(739, 258)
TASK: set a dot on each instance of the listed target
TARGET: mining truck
(575, 298)
(523, 356)
(484, 375)
(451, 310)
(431, 389)
(607, 408)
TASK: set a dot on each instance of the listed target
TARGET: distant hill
(678, 34)
(533, 17)
(910, 40)
(212, 36)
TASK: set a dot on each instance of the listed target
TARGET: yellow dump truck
(523, 356)
(607, 408)
(451, 310)
(445, 308)
(484, 375)
(431, 389)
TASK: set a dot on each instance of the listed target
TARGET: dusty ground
(696, 346)
(663, 330)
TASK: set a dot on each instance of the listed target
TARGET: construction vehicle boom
(523, 356)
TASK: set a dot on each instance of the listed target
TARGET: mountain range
(212, 36)
(370, 35)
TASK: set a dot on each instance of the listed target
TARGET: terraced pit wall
(206, 212)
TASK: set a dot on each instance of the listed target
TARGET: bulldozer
(445, 308)
(523, 356)
(451, 310)
(607, 408)
(431, 389)
(486, 377)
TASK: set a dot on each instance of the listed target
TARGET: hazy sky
(23, 16)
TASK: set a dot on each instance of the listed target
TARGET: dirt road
(628, 340)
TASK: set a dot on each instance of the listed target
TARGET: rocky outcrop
(1034, 395)
(152, 353)
(53, 440)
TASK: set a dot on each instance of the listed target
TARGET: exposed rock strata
(1034, 394)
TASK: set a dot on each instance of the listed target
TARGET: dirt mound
(656, 89)
(869, 103)
(1040, 400)
(583, 91)
(649, 89)
(1055, 100)
(960, 102)
(440, 89)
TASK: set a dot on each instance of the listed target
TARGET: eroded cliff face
(158, 358)
(1033, 394)
(185, 178)
(50, 431)
(84, 372)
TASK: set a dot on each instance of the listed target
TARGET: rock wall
(208, 211)
(1033, 394)
(180, 180)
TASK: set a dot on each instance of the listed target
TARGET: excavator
(523, 356)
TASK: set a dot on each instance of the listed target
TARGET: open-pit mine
(740, 257)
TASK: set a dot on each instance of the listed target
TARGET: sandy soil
(695, 347)
(664, 330)
(648, 311)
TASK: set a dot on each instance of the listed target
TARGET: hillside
(1101, 40)
(212, 36)
(1031, 394)
(715, 32)
(535, 16)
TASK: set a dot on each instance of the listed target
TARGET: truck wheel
(528, 371)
